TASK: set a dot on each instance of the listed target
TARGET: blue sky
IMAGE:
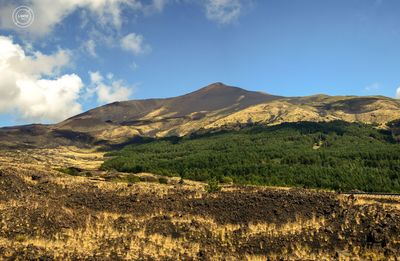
(99, 51)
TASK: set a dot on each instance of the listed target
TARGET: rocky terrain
(48, 215)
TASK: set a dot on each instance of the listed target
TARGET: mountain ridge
(214, 106)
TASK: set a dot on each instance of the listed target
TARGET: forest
(334, 155)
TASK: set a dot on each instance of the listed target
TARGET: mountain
(214, 106)
(163, 117)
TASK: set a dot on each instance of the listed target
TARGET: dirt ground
(48, 215)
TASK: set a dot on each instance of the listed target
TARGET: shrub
(148, 179)
(163, 180)
(73, 171)
(212, 186)
(227, 180)
(132, 179)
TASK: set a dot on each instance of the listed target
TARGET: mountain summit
(214, 106)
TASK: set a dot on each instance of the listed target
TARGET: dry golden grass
(276, 112)
(365, 200)
(89, 159)
(85, 241)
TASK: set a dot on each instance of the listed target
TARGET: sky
(69, 56)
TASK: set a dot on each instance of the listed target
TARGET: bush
(213, 186)
(73, 171)
(163, 180)
(132, 179)
(227, 180)
(149, 179)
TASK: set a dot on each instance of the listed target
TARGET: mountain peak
(216, 86)
(220, 88)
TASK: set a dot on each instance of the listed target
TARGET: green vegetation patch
(73, 171)
(212, 186)
(163, 180)
(334, 155)
(126, 179)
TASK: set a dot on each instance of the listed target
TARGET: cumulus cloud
(108, 90)
(223, 11)
(398, 93)
(53, 100)
(31, 84)
(134, 43)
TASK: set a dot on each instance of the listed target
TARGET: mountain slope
(214, 106)
(372, 110)
(161, 117)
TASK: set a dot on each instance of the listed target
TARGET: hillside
(212, 107)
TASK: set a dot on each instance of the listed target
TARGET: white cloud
(95, 77)
(110, 76)
(114, 90)
(49, 13)
(106, 14)
(53, 100)
(134, 43)
(223, 11)
(31, 85)
(90, 47)
(398, 93)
